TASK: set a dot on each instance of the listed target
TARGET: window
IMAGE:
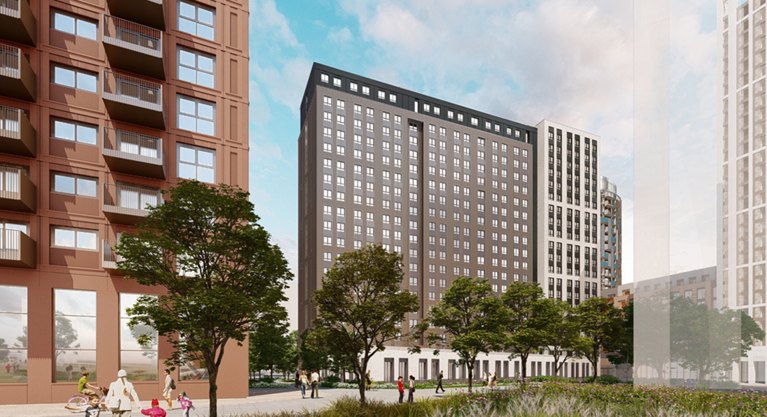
(196, 163)
(13, 325)
(140, 361)
(76, 25)
(75, 78)
(74, 132)
(65, 237)
(196, 67)
(196, 115)
(196, 19)
(75, 334)
(73, 184)
(140, 198)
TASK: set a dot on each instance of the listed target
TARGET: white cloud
(340, 35)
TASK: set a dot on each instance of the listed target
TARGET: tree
(600, 324)
(467, 320)
(220, 273)
(312, 352)
(624, 346)
(563, 334)
(269, 342)
(710, 340)
(361, 306)
(526, 321)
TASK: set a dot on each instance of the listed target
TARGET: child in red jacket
(155, 411)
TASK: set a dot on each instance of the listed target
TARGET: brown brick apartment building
(103, 103)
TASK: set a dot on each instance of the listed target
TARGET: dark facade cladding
(450, 188)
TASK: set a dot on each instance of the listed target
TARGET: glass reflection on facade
(140, 361)
(13, 334)
(75, 334)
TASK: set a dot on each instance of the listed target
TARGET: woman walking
(121, 396)
(304, 381)
(167, 391)
(411, 389)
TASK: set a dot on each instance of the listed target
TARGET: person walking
(493, 381)
(304, 382)
(121, 395)
(297, 380)
(167, 391)
(439, 383)
(401, 388)
(410, 389)
(315, 381)
(186, 403)
(368, 381)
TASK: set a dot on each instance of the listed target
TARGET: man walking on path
(401, 388)
(315, 380)
(439, 383)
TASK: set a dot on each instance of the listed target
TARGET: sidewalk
(261, 401)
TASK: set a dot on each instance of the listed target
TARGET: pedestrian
(297, 379)
(410, 389)
(315, 381)
(439, 383)
(155, 411)
(304, 382)
(493, 381)
(121, 395)
(368, 381)
(401, 388)
(167, 391)
(186, 403)
(94, 409)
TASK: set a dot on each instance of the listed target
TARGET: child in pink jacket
(155, 411)
(186, 403)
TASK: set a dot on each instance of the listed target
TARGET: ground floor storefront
(56, 324)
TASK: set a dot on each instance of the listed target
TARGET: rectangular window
(139, 360)
(75, 334)
(74, 131)
(196, 19)
(74, 184)
(75, 78)
(135, 197)
(76, 25)
(196, 115)
(13, 332)
(196, 163)
(196, 67)
(65, 237)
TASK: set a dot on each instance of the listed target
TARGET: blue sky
(570, 61)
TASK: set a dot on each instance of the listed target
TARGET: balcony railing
(133, 99)
(16, 190)
(109, 257)
(129, 204)
(133, 153)
(17, 23)
(16, 76)
(17, 136)
(133, 47)
(17, 249)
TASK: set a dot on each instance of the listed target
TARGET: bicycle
(77, 403)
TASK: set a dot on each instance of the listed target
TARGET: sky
(570, 61)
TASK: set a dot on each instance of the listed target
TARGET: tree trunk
(213, 391)
(594, 363)
(524, 367)
(470, 367)
(271, 372)
(361, 381)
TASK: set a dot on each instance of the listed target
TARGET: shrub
(332, 378)
(604, 380)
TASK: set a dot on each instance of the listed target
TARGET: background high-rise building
(450, 188)
(103, 103)
(742, 223)
(610, 235)
(568, 212)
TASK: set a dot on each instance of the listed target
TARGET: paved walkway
(260, 401)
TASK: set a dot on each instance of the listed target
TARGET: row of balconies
(18, 24)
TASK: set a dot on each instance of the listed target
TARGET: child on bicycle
(86, 388)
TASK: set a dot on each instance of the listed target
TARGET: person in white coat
(121, 396)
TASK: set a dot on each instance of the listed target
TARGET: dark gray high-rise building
(448, 187)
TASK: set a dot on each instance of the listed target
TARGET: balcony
(17, 193)
(109, 258)
(133, 47)
(17, 249)
(17, 136)
(133, 100)
(129, 204)
(17, 23)
(133, 153)
(17, 79)
(147, 12)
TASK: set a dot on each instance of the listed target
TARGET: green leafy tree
(289, 359)
(563, 334)
(601, 324)
(710, 340)
(312, 352)
(624, 346)
(526, 322)
(361, 306)
(220, 272)
(468, 320)
(269, 342)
